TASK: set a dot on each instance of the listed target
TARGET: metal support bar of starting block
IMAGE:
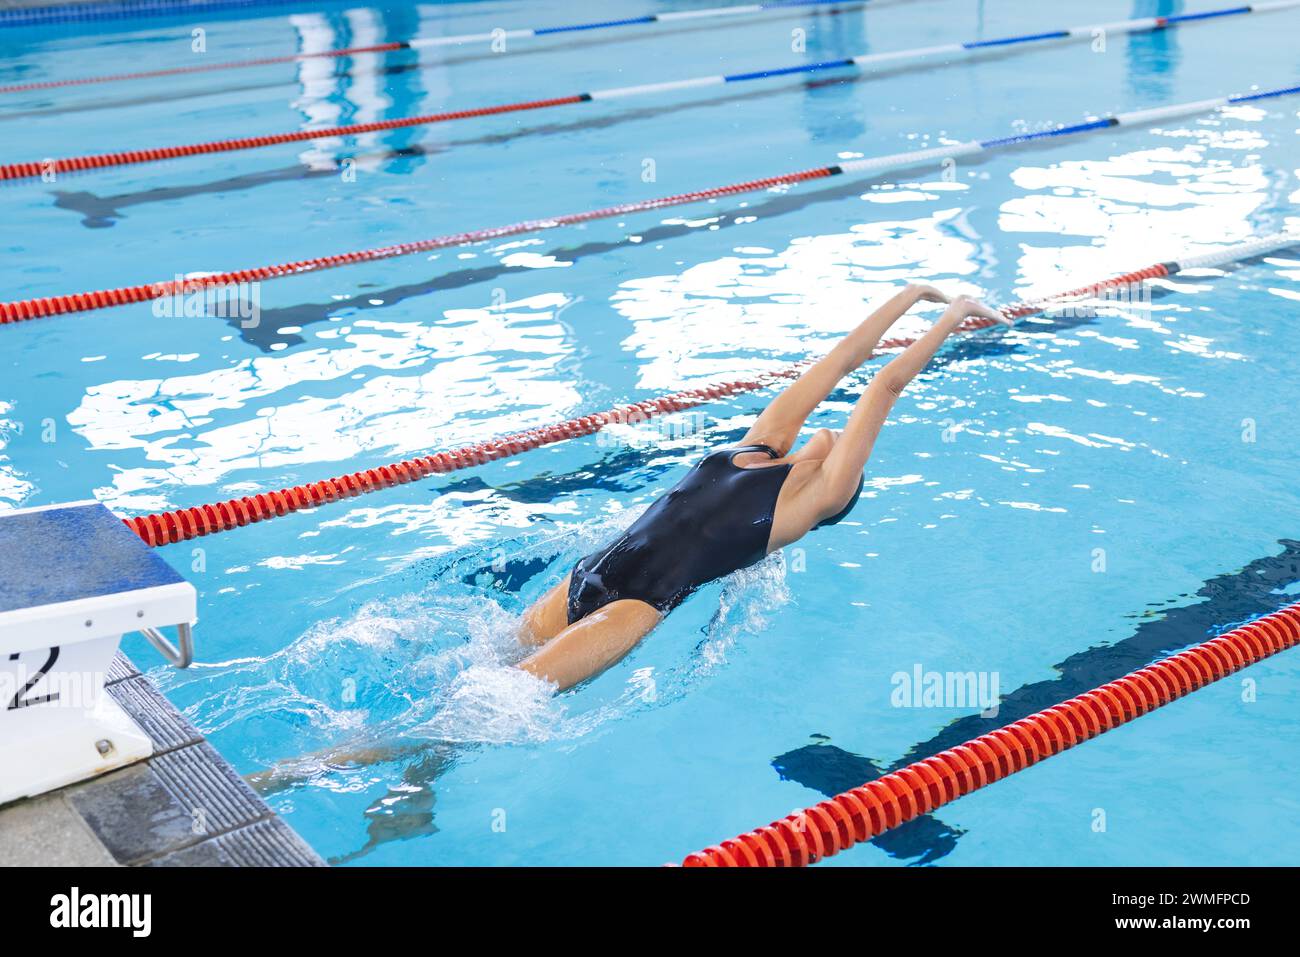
(73, 580)
(182, 657)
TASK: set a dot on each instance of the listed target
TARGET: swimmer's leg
(546, 617)
(294, 771)
(544, 620)
(591, 644)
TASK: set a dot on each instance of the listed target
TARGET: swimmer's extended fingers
(968, 306)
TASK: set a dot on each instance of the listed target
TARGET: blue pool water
(1053, 506)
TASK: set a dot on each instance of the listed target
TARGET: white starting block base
(76, 579)
(72, 752)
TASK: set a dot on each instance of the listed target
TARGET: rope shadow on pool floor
(1229, 600)
(265, 334)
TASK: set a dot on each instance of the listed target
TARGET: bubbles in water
(495, 704)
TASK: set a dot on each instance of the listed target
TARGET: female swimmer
(736, 506)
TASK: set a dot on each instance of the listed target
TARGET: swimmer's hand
(927, 293)
(973, 307)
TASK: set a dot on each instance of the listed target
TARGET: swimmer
(736, 506)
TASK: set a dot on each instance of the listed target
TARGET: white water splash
(438, 665)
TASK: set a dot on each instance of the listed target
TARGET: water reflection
(1152, 57)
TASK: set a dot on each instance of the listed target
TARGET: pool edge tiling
(183, 805)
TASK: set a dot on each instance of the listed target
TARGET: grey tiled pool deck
(183, 806)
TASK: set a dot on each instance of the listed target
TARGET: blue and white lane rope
(19, 311)
(391, 47)
(876, 164)
(32, 169)
(867, 60)
(668, 17)
(860, 62)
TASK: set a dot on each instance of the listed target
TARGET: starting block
(73, 580)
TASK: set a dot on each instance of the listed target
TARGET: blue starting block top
(52, 555)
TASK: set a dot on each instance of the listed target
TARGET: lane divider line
(431, 42)
(11, 312)
(34, 169)
(866, 812)
(1087, 31)
(163, 528)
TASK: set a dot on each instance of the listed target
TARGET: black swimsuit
(714, 521)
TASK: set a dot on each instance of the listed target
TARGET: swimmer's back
(716, 520)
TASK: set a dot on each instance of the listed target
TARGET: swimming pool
(1050, 507)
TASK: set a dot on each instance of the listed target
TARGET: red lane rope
(107, 298)
(165, 528)
(204, 68)
(35, 169)
(865, 812)
(1019, 310)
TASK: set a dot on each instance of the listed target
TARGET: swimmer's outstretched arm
(780, 422)
(843, 466)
